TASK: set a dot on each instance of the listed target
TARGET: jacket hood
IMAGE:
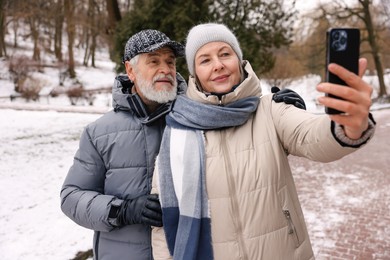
(123, 99)
(250, 86)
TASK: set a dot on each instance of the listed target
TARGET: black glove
(288, 96)
(142, 210)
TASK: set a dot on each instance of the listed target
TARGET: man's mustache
(165, 77)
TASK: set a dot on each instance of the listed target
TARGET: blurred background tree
(281, 43)
(173, 17)
(363, 15)
(373, 22)
(3, 50)
(260, 26)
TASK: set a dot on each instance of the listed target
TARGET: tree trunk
(59, 21)
(93, 50)
(86, 39)
(34, 25)
(3, 51)
(114, 16)
(374, 47)
(88, 31)
(69, 9)
(15, 27)
(14, 7)
(87, 50)
(95, 25)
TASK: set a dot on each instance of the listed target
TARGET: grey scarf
(186, 215)
(195, 115)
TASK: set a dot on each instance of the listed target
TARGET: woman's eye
(204, 61)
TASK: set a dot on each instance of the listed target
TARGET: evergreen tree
(260, 26)
(173, 17)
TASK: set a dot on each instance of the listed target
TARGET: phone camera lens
(339, 40)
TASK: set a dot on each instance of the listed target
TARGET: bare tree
(15, 10)
(3, 51)
(310, 48)
(69, 11)
(34, 20)
(93, 23)
(363, 13)
(58, 27)
(372, 39)
(114, 16)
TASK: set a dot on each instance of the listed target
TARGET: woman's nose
(218, 65)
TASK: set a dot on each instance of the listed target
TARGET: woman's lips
(221, 78)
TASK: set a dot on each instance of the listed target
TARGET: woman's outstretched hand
(356, 103)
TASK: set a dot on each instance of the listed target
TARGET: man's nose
(166, 68)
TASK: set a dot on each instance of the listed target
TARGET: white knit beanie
(205, 33)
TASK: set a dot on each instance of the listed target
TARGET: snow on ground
(36, 151)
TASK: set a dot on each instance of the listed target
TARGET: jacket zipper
(291, 228)
(96, 251)
(234, 201)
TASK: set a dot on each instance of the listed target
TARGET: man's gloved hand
(288, 96)
(142, 210)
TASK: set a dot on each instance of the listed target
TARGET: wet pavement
(347, 203)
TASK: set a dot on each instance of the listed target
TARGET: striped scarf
(181, 167)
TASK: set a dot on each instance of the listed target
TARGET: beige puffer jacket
(255, 211)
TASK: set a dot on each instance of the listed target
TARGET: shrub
(74, 93)
(19, 69)
(30, 87)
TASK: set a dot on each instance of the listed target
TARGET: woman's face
(217, 67)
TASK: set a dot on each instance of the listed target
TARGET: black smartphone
(342, 48)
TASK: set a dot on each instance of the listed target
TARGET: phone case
(342, 48)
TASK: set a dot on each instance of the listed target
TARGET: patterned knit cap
(206, 33)
(148, 41)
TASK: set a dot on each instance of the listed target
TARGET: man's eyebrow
(159, 53)
(151, 54)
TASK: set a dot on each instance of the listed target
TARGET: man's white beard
(148, 91)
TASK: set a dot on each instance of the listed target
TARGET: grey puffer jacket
(115, 161)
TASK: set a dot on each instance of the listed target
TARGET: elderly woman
(225, 184)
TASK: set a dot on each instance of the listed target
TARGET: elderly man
(108, 186)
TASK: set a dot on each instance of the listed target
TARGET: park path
(347, 203)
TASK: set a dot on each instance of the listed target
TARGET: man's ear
(130, 71)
